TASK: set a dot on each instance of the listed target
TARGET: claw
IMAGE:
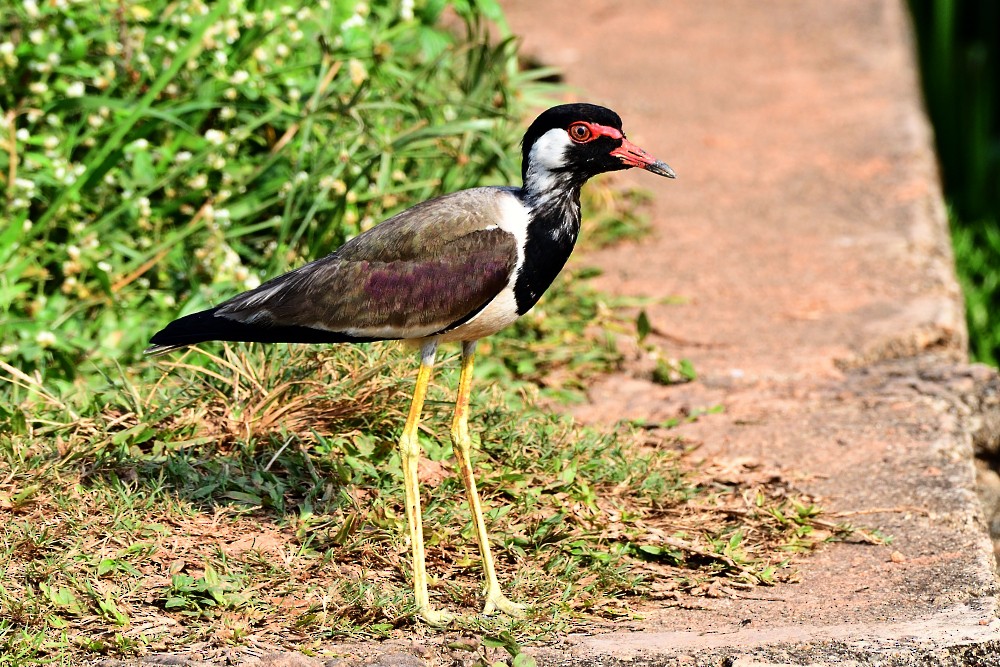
(435, 617)
(497, 601)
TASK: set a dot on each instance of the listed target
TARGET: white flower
(232, 29)
(282, 50)
(104, 266)
(75, 89)
(227, 113)
(215, 137)
(220, 57)
(238, 77)
(73, 252)
(138, 145)
(50, 142)
(45, 338)
(406, 10)
(182, 157)
(199, 182)
(357, 71)
(6, 48)
(355, 21)
(23, 134)
(38, 87)
(25, 184)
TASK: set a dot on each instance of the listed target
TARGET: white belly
(501, 312)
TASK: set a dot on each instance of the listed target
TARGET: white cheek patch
(548, 155)
(549, 150)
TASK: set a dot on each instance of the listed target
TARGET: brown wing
(413, 275)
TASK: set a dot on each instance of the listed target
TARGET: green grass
(959, 49)
(165, 159)
(156, 160)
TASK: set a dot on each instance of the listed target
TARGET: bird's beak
(634, 156)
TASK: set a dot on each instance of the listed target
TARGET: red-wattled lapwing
(455, 268)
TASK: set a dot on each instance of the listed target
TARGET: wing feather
(415, 274)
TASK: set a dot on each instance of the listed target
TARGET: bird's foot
(436, 617)
(497, 601)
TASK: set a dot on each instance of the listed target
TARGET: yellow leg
(495, 599)
(409, 450)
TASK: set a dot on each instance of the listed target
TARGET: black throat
(553, 228)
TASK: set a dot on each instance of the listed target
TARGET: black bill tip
(662, 168)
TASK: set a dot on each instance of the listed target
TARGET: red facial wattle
(583, 132)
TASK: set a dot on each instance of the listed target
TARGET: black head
(573, 142)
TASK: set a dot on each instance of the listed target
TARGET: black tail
(207, 326)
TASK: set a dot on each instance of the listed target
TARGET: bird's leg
(409, 451)
(495, 599)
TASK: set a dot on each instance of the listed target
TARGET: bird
(456, 268)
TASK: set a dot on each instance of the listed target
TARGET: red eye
(580, 133)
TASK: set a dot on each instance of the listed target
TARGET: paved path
(806, 236)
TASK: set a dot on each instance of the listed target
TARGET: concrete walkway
(806, 235)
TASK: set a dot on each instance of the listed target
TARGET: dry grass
(244, 501)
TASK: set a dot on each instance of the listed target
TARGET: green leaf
(642, 325)
(246, 498)
(523, 660)
(106, 565)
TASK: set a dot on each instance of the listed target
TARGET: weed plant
(158, 157)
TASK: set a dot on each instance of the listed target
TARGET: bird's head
(573, 142)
